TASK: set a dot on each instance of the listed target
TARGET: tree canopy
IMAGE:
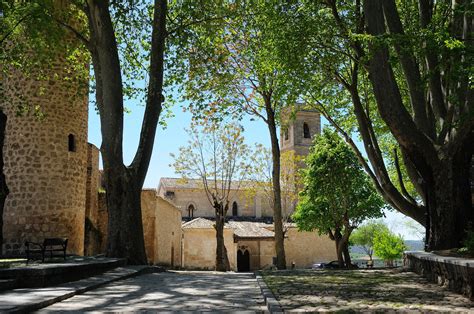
(364, 235)
(217, 155)
(399, 75)
(337, 196)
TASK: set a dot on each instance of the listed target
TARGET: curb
(272, 303)
(26, 308)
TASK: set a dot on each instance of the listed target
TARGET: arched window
(235, 209)
(191, 211)
(71, 143)
(306, 133)
(286, 135)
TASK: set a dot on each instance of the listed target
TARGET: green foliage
(228, 62)
(217, 155)
(32, 41)
(388, 246)
(469, 242)
(364, 235)
(337, 193)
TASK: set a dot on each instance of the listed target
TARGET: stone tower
(45, 159)
(297, 134)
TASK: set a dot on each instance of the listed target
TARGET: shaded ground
(361, 290)
(171, 291)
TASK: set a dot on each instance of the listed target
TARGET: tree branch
(155, 97)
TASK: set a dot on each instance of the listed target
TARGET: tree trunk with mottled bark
(123, 184)
(277, 214)
(222, 260)
(3, 184)
(440, 155)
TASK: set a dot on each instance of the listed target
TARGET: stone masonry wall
(456, 274)
(161, 227)
(148, 199)
(306, 248)
(197, 197)
(47, 181)
(167, 234)
(92, 236)
(199, 248)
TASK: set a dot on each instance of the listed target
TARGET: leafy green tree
(338, 196)
(388, 246)
(364, 235)
(126, 43)
(399, 73)
(217, 155)
(232, 68)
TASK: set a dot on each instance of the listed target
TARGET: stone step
(26, 300)
(48, 274)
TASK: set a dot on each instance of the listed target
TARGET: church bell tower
(297, 133)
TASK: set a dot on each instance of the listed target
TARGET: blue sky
(169, 139)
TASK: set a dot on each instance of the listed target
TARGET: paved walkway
(171, 291)
(362, 291)
(29, 299)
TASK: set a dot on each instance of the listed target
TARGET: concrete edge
(271, 302)
(27, 308)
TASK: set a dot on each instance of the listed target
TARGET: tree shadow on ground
(171, 291)
(360, 290)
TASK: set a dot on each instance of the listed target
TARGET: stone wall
(102, 221)
(261, 252)
(295, 140)
(148, 199)
(197, 197)
(93, 236)
(167, 234)
(456, 274)
(199, 248)
(45, 159)
(161, 228)
(307, 248)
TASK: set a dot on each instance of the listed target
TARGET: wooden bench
(50, 245)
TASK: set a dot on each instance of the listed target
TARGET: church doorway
(243, 260)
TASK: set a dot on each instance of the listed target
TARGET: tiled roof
(182, 183)
(198, 223)
(247, 229)
(242, 229)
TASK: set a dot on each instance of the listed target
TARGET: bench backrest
(55, 241)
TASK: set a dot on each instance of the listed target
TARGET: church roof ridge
(192, 183)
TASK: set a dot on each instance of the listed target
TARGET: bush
(388, 246)
(468, 243)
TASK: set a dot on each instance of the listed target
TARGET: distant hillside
(413, 245)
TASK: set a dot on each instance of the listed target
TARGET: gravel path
(361, 291)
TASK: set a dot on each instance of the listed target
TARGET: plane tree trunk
(440, 155)
(123, 184)
(277, 214)
(3, 184)
(222, 260)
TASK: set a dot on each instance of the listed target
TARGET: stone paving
(170, 291)
(362, 291)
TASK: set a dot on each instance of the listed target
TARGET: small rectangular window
(71, 143)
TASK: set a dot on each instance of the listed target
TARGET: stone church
(55, 190)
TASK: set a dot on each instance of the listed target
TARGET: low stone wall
(457, 274)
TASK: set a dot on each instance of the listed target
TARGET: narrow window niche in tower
(286, 134)
(71, 140)
(306, 133)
